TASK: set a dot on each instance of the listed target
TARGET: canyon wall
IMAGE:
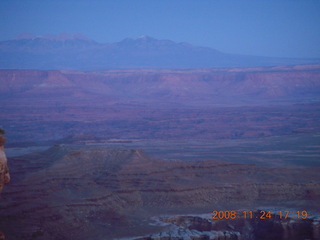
(162, 104)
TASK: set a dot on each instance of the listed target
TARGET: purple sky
(282, 28)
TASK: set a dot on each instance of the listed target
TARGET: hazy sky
(284, 28)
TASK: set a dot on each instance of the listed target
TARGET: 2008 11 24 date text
(260, 214)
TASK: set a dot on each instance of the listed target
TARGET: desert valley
(151, 153)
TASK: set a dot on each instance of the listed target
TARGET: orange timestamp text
(259, 214)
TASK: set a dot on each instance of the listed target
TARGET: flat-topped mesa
(4, 170)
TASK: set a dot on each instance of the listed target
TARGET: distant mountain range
(77, 52)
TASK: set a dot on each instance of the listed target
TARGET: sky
(278, 28)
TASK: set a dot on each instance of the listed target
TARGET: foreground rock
(4, 170)
(204, 228)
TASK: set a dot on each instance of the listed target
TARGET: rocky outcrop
(4, 170)
(203, 228)
(186, 234)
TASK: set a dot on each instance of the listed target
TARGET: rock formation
(4, 170)
(204, 228)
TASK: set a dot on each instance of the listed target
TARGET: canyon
(159, 104)
(102, 154)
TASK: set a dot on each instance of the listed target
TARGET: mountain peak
(145, 37)
(54, 37)
(75, 51)
(142, 38)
